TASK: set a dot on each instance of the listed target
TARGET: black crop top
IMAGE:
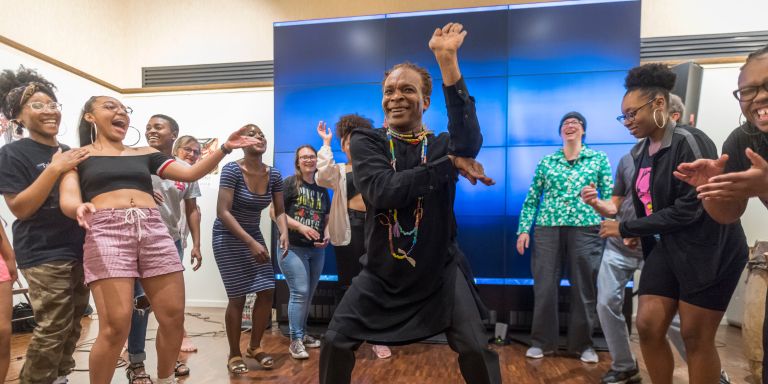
(351, 187)
(101, 174)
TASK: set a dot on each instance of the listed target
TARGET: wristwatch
(225, 150)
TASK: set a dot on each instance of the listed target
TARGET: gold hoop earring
(93, 133)
(663, 118)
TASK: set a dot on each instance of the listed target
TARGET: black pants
(348, 256)
(466, 336)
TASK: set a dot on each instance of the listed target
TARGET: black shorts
(659, 278)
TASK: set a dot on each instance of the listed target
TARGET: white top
(334, 176)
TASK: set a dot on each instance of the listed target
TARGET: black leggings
(348, 256)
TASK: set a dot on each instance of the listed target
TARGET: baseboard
(207, 303)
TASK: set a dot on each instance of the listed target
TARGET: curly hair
(651, 79)
(347, 123)
(426, 79)
(17, 87)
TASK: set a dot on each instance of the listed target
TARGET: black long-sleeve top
(697, 246)
(391, 301)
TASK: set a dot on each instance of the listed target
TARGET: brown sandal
(135, 377)
(180, 369)
(261, 357)
(237, 365)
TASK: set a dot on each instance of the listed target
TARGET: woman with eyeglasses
(247, 187)
(110, 195)
(307, 206)
(566, 231)
(725, 185)
(692, 262)
(48, 245)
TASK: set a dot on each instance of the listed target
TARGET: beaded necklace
(391, 219)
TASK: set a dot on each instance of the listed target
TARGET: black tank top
(351, 188)
(101, 174)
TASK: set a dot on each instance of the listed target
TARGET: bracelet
(225, 150)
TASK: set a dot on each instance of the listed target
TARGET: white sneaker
(589, 356)
(297, 350)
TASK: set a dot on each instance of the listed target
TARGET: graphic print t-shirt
(643, 183)
(309, 205)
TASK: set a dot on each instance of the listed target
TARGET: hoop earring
(93, 133)
(663, 119)
(741, 123)
(138, 136)
(61, 134)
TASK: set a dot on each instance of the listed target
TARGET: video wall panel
(526, 65)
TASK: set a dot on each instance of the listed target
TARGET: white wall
(114, 39)
(209, 114)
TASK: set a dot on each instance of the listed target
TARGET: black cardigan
(697, 247)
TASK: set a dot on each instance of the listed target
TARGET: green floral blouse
(561, 184)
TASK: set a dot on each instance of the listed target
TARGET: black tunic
(390, 301)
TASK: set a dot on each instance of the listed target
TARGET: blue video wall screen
(526, 66)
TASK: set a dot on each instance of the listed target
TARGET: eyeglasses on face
(749, 93)
(307, 157)
(38, 106)
(630, 116)
(115, 108)
(191, 151)
(571, 122)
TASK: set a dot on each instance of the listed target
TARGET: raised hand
(240, 139)
(448, 39)
(589, 194)
(471, 169)
(700, 171)
(325, 133)
(64, 161)
(739, 185)
(84, 213)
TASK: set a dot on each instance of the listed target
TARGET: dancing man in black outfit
(412, 284)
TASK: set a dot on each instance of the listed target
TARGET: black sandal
(181, 369)
(135, 377)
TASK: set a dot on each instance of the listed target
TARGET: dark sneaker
(622, 377)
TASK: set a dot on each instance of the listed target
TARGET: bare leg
(261, 316)
(6, 304)
(114, 304)
(233, 320)
(653, 317)
(698, 327)
(166, 294)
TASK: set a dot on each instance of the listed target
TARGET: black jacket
(696, 246)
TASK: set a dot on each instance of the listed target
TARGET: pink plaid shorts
(132, 242)
(4, 274)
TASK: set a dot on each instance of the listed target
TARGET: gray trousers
(580, 248)
(466, 336)
(615, 271)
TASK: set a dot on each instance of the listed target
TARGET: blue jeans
(137, 337)
(302, 267)
(615, 271)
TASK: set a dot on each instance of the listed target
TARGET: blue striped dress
(240, 271)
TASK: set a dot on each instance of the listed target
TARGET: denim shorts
(132, 242)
